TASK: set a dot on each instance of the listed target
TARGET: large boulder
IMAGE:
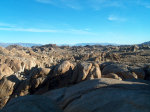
(94, 72)
(31, 104)
(15, 64)
(81, 71)
(84, 71)
(134, 48)
(37, 77)
(5, 70)
(119, 69)
(139, 71)
(112, 75)
(103, 95)
(62, 69)
(6, 90)
(4, 51)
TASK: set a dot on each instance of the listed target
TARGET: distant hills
(79, 44)
(146, 43)
(104, 44)
(20, 44)
(32, 44)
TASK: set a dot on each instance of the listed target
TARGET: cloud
(6, 25)
(27, 30)
(34, 30)
(74, 4)
(15, 28)
(95, 4)
(116, 18)
(99, 4)
(81, 4)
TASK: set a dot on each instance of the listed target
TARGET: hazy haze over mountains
(78, 44)
(21, 44)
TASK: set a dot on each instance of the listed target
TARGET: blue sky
(75, 21)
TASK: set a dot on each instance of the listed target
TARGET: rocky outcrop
(5, 70)
(119, 69)
(103, 95)
(37, 78)
(112, 75)
(84, 71)
(6, 90)
(31, 104)
(66, 74)
(62, 69)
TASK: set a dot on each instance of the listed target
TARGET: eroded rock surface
(103, 95)
(31, 104)
(6, 90)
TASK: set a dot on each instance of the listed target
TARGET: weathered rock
(3, 51)
(84, 71)
(29, 64)
(38, 76)
(112, 75)
(134, 48)
(63, 68)
(5, 70)
(22, 89)
(119, 69)
(15, 64)
(138, 71)
(94, 72)
(32, 84)
(81, 71)
(31, 104)
(103, 95)
(6, 89)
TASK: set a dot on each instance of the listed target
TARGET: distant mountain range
(104, 44)
(146, 43)
(20, 44)
(79, 44)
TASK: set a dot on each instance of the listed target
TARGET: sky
(75, 21)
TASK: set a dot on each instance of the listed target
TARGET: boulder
(6, 90)
(31, 104)
(5, 70)
(84, 71)
(4, 51)
(63, 68)
(119, 69)
(37, 77)
(134, 48)
(94, 72)
(15, 64)
(139, 71)
(112, 75)
(81, 71)
(103, 95)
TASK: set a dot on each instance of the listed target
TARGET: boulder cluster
(50, 78)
